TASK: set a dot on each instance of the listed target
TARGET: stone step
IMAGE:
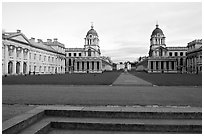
(137, 119)
(125, 114)
(114, 124)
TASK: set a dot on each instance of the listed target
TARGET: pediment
(20, 38)
(158, 48)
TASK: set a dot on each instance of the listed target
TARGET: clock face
(90, 35)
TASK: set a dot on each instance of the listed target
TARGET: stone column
(154, 65)
(6, 58)
(95, 65)
(21, 67)
(80, 66)
(14, 62)
(170, 67)
(28, 63)
(149, 65)
(90, 65)
(159, 63)
(75, 66)
(100, 65)
(85, 66)
(164, 63)
(175, 65)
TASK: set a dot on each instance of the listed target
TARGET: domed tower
(92, 42)
(157, 40)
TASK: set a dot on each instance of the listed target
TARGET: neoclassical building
(194, 56)
(21, 55)
(164, 59)
(87, 59)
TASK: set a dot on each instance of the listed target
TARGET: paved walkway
(128, 79)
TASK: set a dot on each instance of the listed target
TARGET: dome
(157, 30)
(92, 31)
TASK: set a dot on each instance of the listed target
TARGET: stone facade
(194, 56)
(87, 59)
(164, 59)
(21, 55)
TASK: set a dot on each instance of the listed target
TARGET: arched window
(89, 52)
(160, 52)
(10, 67)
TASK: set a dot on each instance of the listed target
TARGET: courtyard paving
(128, 79)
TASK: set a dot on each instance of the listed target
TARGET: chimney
(49, 40)
(40, 40)
(55, 39)
(32, 39)
(18, 31)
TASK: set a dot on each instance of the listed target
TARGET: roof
(20, 37)
(92, 31)
(157, 31)
(42, 46)
(54, 43)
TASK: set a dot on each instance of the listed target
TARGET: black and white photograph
(100, 67)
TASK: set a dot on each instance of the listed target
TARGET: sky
(124, 29)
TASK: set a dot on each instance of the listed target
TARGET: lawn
(101, 95)
(105, 78)
(170, 79)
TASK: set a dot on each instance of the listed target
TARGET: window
(10, 52)
(34, 56)
(25, 54)
(79, 54)
(18, 53)
(44, 58)
(49, 59)
(170, 53)
(70, 54)
(30, 55)
(34, 68)
(75, 54)
(176, 54)
(181, 53)
(52, 59)
(40, 57)
(89, 52)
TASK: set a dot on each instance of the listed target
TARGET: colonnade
(13, 63)
(161, 66)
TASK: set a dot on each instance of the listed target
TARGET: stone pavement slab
(125, 108)
(128, 79)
